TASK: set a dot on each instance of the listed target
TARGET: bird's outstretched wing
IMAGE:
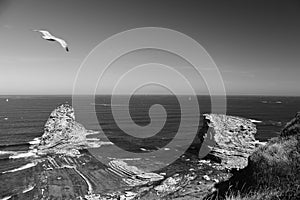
(62, 43)
(47, 36)
(45, 33)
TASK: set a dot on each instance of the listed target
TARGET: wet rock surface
(64, 169)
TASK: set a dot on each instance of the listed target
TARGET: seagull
(49, 37)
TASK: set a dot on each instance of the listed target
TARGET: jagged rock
(234, 139)
(63, 135)
(272, 167)
(173, 184)
(61, 126)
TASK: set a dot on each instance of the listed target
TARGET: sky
(255, 44)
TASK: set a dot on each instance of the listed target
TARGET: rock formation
(273, 169)
(233, 142)
(234, 139)
(63, 135)
(66, 171)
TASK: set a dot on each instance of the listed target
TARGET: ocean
(22, 118)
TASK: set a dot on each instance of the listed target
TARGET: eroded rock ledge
(234, 139)
(233, 142)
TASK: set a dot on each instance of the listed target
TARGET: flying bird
(49, 37)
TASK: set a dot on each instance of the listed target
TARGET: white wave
(6, 198)
(97, 144)
(35, 141)
(255, 121)
(28, 189)
(92, 139)
(272, 102)
(17, 155)
(28, 165)
(100, 104)
(7, 152)
(143, 149)
(92, 132)
(123, 159)
(129, 159)
(107, 104)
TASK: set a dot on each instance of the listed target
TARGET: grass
(267, 194)
(259, 195)
(273, 171)
(277, 165)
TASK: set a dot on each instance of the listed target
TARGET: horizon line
(70, 95)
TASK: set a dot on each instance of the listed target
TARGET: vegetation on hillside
(273, 171)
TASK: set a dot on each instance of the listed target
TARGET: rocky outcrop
(234, 139)
(63, 135)
(232, 143)
(293, 127)
(273, 169)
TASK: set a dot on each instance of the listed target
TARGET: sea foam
(28, 189)
(28, 165)
(17, 155)
(255, 121)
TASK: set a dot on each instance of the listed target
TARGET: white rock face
(234, 139)
(63, 135)
(61, 126)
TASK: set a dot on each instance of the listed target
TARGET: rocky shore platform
(59, 166)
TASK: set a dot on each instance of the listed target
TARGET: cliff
(63, 135)
(273, 170)
(234, 139)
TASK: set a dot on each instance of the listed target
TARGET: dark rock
(293, 127)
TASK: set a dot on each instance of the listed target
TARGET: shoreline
(233, 142)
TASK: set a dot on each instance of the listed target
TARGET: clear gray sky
(255, 43)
